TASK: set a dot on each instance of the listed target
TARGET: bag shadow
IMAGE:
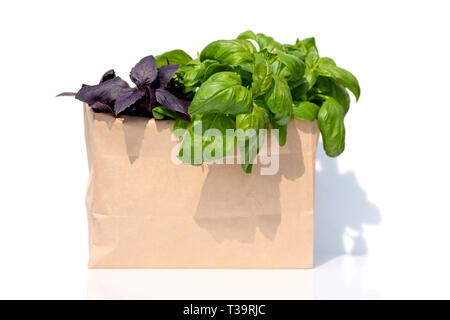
(134, 132)
(341, 211)
(234, 209)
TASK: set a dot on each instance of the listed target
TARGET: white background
(382, 211)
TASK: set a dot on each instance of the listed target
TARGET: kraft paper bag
(144, 211)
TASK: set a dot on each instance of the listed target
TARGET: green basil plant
(234, 85)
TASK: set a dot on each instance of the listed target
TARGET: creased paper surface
(144, 211)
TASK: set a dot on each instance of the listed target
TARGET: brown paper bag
(144, 211)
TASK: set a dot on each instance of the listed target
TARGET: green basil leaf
(331, 125)
(179, 127)
(305, 110)
(221, 123)
(177, 56)
(247, 35)
(251, 124)
(290, 67)
(246, 76)
(299, 89)
(230, 52)
(269, 55)
(308, 43)
(328, 87)
(191, 147)
(223, 93)
(202, 144)
(257, 119)
(282, 131)
(262, 76)
(192, 74)
(327, 61)
(262, 40)
(268, 42)
(328, 68)
(213, 67)
(279, 101)
(161, 112)
(312, 61)
(298, 51)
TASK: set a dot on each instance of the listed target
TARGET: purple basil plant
(114, 95)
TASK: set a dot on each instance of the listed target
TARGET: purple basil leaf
(110, 74)
(151, 96)
(166, 73)
(127, 97)
(171, 102)
(137, 110)
(105, 92)
(101, 107)
(67, 94)
(145, 105)
(145, 72)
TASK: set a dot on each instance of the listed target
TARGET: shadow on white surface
(340, 272)
(341, 211)
(342, 278)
